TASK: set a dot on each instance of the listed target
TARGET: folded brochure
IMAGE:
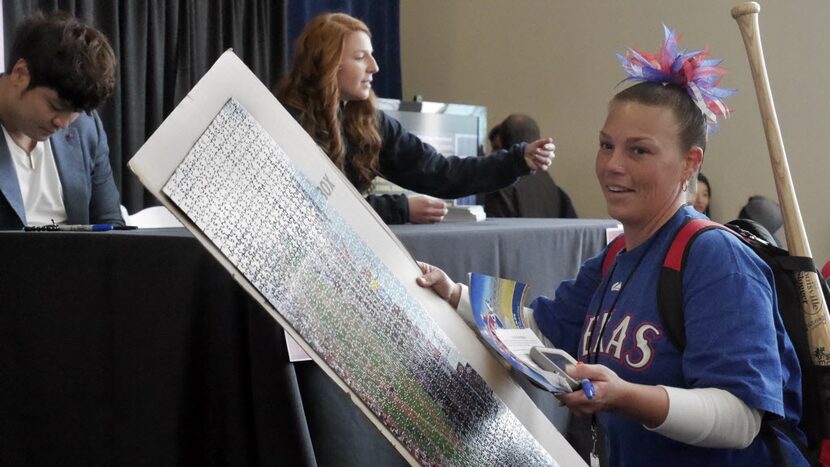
(497, 306)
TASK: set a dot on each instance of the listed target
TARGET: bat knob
(747, 8)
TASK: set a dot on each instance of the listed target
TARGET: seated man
(54, 158)
(532, 196)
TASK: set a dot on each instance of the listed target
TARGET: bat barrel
(816, 317)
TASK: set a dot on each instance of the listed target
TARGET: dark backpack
(815, 382)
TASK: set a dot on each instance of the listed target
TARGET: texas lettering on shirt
(626, 341)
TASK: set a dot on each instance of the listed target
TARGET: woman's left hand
(607, 386)
(540, 153)
(647, 404)
(426, 209)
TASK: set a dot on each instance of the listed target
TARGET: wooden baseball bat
(816, 317)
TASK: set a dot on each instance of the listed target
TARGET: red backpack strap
(617, 244)
(676, 255)
(670, 285)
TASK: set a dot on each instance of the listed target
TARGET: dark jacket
(409, 162)
(534, 196)
(82, 157)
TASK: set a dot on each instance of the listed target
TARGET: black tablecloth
(137, 348)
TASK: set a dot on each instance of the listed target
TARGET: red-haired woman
(329, 92)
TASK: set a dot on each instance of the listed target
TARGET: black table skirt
(137, 348)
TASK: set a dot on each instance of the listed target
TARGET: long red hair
(311, 88)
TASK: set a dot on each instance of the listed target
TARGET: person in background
(54, 159)
(702, 195)
(494, 137)
(656, 404)
(533, 196)
(329, 92)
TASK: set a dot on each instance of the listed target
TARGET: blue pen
(74, 228)
(588, 389)
(85, 227)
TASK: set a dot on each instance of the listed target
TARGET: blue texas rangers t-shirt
(735, 339)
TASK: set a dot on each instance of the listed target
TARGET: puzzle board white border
(166, 148)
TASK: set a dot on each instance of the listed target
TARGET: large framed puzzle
(233, 166)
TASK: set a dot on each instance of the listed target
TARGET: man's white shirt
(40, 185)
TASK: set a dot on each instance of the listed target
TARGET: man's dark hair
(494, 133)
(62, 54)
(518, 128)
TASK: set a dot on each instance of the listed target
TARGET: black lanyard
(595, 348)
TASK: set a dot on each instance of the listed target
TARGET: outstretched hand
(426, 209)
(540, 153)
(440, 282)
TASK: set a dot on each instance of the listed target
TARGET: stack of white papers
(471, 213)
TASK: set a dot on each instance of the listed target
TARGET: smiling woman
(646, 157)
(659, 404)
(329, 92)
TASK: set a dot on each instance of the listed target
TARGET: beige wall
(555, 60)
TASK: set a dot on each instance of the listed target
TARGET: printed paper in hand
(497, 308)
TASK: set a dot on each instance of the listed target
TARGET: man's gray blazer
(82, 158)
